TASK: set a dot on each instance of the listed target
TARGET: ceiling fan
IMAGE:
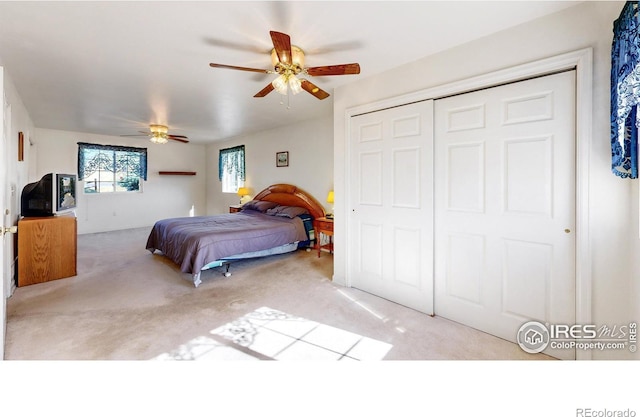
(159, 134)
(288, 63)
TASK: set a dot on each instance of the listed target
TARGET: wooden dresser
(47, 249)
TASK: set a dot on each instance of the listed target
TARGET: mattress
(193, 242)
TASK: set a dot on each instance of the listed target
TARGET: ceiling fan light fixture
(157, 137)
(280, 84)
(295, 84)
(158, 134)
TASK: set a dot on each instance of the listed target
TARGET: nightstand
(235, 208)
(323, 226)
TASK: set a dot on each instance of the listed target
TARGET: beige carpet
(127, 304)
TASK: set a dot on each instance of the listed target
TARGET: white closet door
(391, 225)
(505, 206)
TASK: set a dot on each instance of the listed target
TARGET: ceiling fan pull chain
(288, 101)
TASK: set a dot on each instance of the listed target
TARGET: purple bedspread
(193, 242)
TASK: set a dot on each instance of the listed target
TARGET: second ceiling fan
(288, 63)
(160, 134)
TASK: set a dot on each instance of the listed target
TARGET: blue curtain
(139, 152)
(625, 92)
(232, 160)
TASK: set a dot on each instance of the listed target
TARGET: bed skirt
(289, 247)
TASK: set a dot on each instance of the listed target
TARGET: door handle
(12, 229)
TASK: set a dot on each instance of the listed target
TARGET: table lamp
(330, 201)
(243, 192)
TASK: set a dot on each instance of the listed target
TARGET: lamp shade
(242, 191)
(330, 197)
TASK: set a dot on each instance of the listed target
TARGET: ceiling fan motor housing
(294, 67)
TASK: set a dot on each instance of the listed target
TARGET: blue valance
(122, 156)
(232, 160)
(625, 92)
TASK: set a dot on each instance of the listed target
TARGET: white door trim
(3, 185)
(582, 61)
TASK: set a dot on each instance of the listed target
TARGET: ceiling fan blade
(265, 91)
(345, 69)
(239, 68)
(178, 138)
(282, 45)
(314, 90)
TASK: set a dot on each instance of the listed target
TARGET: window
(108, 169)
(231, 168)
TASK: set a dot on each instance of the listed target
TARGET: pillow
(286, 211)
(259, 205)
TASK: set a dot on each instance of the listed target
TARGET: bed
(274, 222)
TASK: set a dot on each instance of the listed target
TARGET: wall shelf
(177, 173)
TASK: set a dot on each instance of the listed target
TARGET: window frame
(139, 170)
(231, 161)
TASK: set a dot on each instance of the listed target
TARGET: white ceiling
(115, 67)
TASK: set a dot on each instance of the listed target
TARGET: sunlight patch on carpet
(282, 336)
(271, 334)
(204, 349)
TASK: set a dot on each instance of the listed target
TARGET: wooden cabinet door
(46, 249)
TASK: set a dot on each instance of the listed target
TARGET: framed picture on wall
(282, 159)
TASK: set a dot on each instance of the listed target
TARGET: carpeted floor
(127, 304)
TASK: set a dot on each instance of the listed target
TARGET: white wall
(310, 147)
(17, 171)
(14, 179)
(162, 196)
(612, 220)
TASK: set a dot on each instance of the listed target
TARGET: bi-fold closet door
(505, 206)
(465, 206)
(391, 192)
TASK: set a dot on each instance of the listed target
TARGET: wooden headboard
(290, 195)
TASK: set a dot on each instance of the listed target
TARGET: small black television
(53, 194)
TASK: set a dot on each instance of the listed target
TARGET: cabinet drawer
(324, 226)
